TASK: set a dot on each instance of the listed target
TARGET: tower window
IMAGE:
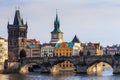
(22, 40)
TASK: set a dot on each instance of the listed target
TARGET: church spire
(56, 24)
(17, 18)
(56, 34)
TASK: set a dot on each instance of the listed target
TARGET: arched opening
(100, 68)
(63, 67)
(31, 67)
(22, 53)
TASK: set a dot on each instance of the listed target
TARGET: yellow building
(63, 49)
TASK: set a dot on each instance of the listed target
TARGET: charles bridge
(81, 63)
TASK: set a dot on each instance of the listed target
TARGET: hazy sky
(90, 20)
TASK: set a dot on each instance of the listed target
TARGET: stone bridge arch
(80, 63)
(75, 60)
(25, 66)
(68, 63)
(98, 61)
(97, 67)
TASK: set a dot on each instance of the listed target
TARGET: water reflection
(12, 77)
(4, 77)
(71, 77)
(61, 76)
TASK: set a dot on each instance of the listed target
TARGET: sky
(96, 21)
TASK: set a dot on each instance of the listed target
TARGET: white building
(3, 52)
(112, 50)
(47, 50)
(77, 46)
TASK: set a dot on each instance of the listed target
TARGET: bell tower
(17, 36)
(56, 34)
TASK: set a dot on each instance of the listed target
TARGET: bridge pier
(45, 69)
(24, 69)
(116, 69)
(81, 69)
(116, 65)
(11, 67)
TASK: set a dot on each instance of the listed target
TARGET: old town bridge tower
(17, 36)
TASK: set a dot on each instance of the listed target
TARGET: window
(56, 54)
(60, 54)
(0, 45)
(22, 40)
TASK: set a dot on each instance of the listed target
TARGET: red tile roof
(33, 41)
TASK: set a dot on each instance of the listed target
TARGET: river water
(39, 76)
(58, 77)
(106, 75)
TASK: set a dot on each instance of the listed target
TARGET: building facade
(112, 50)
(77, 47)
(33, 48)
(91, 49)
(3, 52)
(56, 34)
(17, 37)
(47, 50)
(63, 49)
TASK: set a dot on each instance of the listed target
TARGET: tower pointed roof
(56, 22)
(56, 25)
(17, 19)
(75, 39)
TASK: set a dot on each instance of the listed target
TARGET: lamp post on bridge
(31, 46)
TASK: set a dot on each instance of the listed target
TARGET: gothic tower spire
(17, 18)
(17, 36)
